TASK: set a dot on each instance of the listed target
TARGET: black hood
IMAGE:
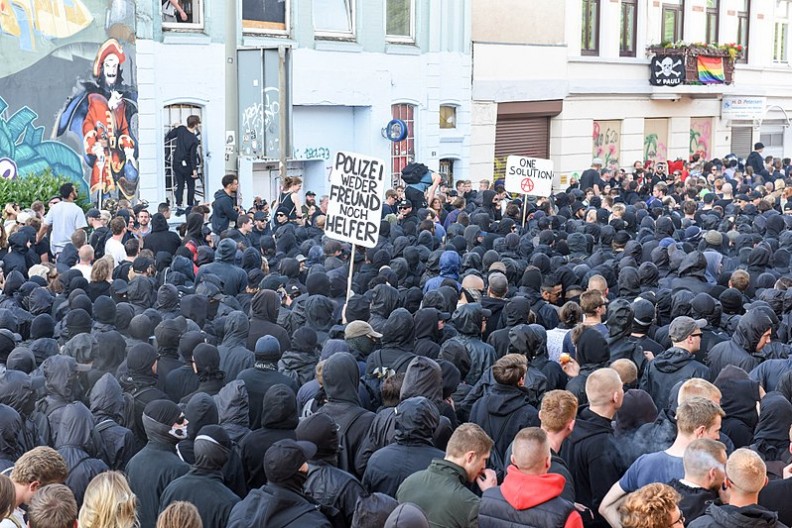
(196, 308)
(201, 410)
(739, 395)
(749, 330)
(16, 391)
(10, 426)
(40, 301)
(417, 419)
(319, 313)
(530, 340)
(516, 311)
(167, 298)
(693, 265)
(104, 310)
(265, 305)
(745, 517)
(341, 375)
(620, 319)
(141, 328)
(60, 377)
(232, 404)
(384, 300)
(124, 314)
(158, 223)
(467, 319)
(592, 349)
(76, 428)
(279, 408)
(399, 330)
(168, 333)
(672, 360)
(425, 321)
(304, 339)
(629, 283)
(235, 330)
(141, 292)
(423, 377)
(42, 326)
(107, 399)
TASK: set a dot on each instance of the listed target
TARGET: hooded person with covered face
(264, 375)
(203, 484)
(264, 320)
(232, 277)
(206, 362)
(140, 381)
(469, 321)
(60, 382)
(157, 465)
(107, 408)
(743, 349)
(234, 354)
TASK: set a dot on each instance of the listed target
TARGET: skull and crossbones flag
(666, 71)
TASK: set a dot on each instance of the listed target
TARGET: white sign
(532, 176)
(749, 108)
(357, 189)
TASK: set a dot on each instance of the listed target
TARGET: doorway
(174, 116)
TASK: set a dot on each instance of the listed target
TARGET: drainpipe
(231, 89)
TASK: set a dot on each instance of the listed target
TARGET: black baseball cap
(260, 215)
(310, 193)
(404, 204)
(93, 213)
(285, 458)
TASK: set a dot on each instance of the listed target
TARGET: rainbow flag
(710, 70)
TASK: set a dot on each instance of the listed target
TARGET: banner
(666, 71)
(357, 189)
(710, 70)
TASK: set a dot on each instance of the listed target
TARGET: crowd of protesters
(614, 355)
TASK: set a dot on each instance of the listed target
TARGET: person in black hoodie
(140, 382)
(60, 382)
(531, 341)
(468, 319)
(341, 376)
(592, 354)
(161, 237)
(384, 300)
(168, 333)
(16, 391)
(234, 355)
(232, 410)
(771, 438)
(206, 362)
(10, 427)
(232, 277)
(412, 448)
(167, 303)
(677, 363)
(104, 314)
(183, 380)
(263, 375)
(157, 465)
(517, 311)
(746, 478)
(429, 323)
(19, 257)
(299, 363)
(223, 206)
(331, 487)
(107, 408)
(739, 396)
(494, 301)
(278, 421)
(506, 409)
(619, 323)
(75, 444)
(203, 484)
(397, 344)
(263, 320)
(590, 451)
(744, 348)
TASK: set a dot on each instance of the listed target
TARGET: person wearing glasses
(678, 362)
(653, 506)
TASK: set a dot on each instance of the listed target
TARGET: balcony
(692, 64)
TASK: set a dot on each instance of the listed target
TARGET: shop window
(400, 20)
(629, 21)
(589, 35)
(334, 18)
(403, 152)
(182, 14)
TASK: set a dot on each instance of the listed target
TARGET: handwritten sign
(533, 176)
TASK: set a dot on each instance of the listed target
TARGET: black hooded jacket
(299, 363)
(76, 445)
(234, 354)
(467, 320)
(10, 427)
(728, 516)
(397, 344)
(161, 237)
(107, 408)
(412, 449)
(384, 300)
(739, 396)
(263, 320)
(740, 350)
(592, 354)
(670, 367)
(427, 336)
(233, 410)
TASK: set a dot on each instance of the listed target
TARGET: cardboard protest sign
(532, 176)
(357, 189)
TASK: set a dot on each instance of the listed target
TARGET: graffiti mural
(606, 140)
(701, 136)
(655, 140)
(68, 98)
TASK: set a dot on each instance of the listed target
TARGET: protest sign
(357, 188)
(531, 176)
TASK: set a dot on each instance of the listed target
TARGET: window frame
(187, 26)
(783, 58)
(590, 28)
(403, 150)
(343, 35)
(744, 17)
(285, 32)
(679, 21)
(455, 108)
(623, 25)
(401, 39)
(712, 14)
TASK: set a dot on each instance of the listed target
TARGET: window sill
(257, 40)
(402, 49)
(608, 60)
(185, 37)
(324, 44)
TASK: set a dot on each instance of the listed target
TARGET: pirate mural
(104, 115)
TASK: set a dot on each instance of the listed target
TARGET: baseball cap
(405, 203)
(300, 258)
(643, 312)
(713, 238)
(596, 161)
(758, 146)
(310, 193)
(260, 215)
(742, 197)
(141, 264)
(709, 198)
(285, 458)
(93, 213)
(360, 328)
(681, 328)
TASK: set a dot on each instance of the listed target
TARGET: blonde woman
(109, 503)
(101, 277)
(179, 514)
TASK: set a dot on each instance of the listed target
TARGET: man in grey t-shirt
(65, 217)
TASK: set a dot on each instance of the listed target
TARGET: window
(182, 14)
(629, 21)
(589, 35)
(448, 116)
(712, 21)
(400, 20)
(672, 23)
(333, 18)
(743, 18)
(780, 41)
(403, 152)
(270, 16)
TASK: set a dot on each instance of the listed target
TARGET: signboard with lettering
(532, 176)
(748, 108)
(357, 189)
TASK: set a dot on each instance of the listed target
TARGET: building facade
(570, 81)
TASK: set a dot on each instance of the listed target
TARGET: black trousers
(181, 179)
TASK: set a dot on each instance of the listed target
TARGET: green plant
(42, 186)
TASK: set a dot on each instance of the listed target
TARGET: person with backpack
(140, 388)
(107, 407)
(264, 375)
(185, 158)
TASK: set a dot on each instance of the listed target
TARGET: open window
(182, 14)
(334, 18)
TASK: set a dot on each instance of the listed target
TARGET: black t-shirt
(694, 500)
(775, 497)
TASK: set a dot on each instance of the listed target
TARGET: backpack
(496, 460)
(98, 240)
(43, 412)
(414, 172)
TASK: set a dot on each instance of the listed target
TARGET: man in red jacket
(529, 495)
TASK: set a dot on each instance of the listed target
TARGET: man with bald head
(529, 495)
(472, 289)
(85, 256)
(590, 451)
(746, 475)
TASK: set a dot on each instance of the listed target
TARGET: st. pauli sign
(531, 176)
(357, 188)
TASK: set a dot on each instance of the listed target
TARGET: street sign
(532, 176)
(357, 189)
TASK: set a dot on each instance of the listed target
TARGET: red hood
(523, 491)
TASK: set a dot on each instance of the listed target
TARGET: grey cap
(681, 328)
